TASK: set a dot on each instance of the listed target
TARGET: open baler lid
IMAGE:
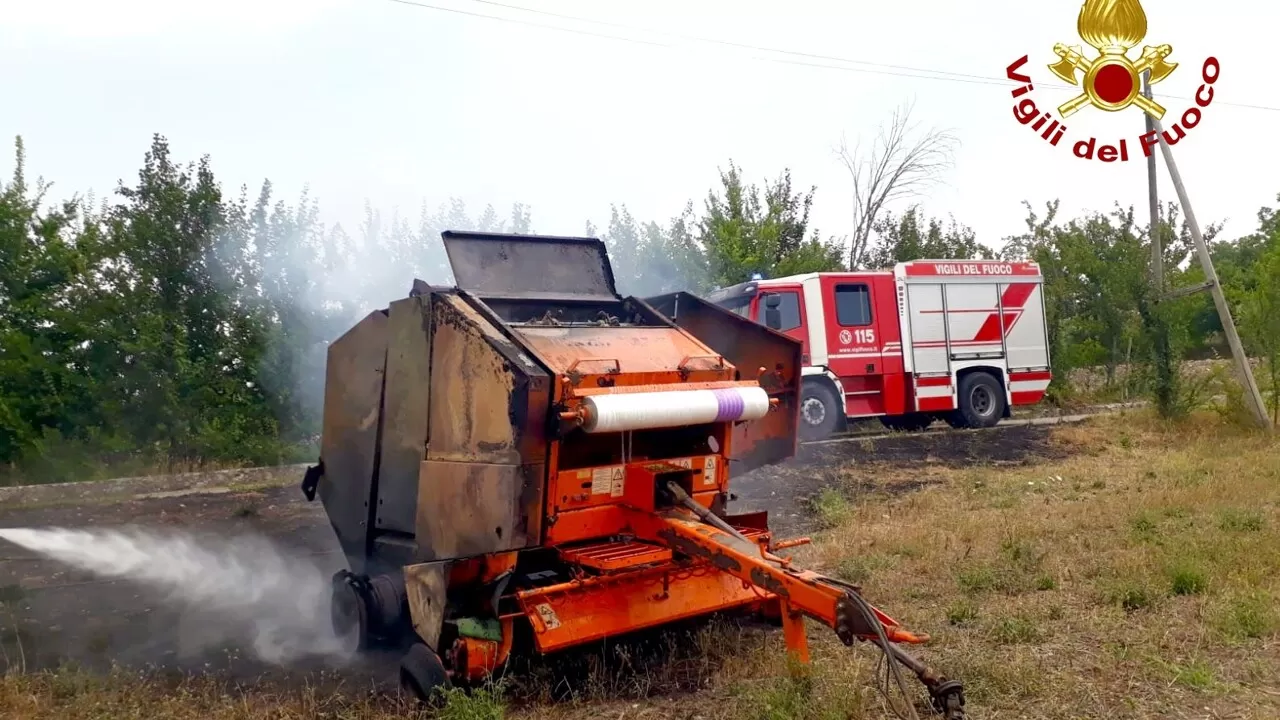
(494, 265)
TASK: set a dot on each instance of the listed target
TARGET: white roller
(639, 411)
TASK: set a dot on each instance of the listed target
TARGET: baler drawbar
(531, 458)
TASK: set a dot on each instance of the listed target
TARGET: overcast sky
(378, 100)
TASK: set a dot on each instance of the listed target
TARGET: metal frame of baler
(689, 552)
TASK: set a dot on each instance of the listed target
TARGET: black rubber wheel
(422, 674)
(820, 411)
(348, 613)
(911, 422)
(981, 402)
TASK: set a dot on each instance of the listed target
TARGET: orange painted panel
(628, 349)
(636, 601)
(610, 484)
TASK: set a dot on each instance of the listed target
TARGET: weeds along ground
(1137, 576)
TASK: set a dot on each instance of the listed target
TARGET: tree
(1100, 307)
(42, 392)
(649, 259)
(1093, 271)
(743, 231)
(900, 163)
(912, 237)
(1258, 288)
(188, 393)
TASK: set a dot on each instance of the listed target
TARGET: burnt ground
(50, 614)
(857, 462)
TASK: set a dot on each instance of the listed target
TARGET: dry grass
(1139, 577)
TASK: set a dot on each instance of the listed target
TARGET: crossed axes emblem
(1153, 59)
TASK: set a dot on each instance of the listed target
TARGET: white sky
(370, 99)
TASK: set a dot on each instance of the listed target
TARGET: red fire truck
(957, 340)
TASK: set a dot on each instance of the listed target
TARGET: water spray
(245, 584)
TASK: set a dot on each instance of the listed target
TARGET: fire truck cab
(958, 340)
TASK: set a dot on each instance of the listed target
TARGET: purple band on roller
(731, 404)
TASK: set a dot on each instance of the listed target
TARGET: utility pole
(1155, 317)
(1252, 396)
(1157, 247)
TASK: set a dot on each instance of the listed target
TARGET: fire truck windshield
(740, 305)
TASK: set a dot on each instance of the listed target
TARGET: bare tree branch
(896, 167)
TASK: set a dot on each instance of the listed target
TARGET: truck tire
(422, 674)
(820, 411)
(981, 402)
(911, 422)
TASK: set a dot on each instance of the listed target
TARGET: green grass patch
(1130, 595)
(486, 702)
(1187, 578)
(1237, 520)
(962, 612)
(802, 696)
(858, 569)
(1194, 674)
(830, 508)
(1016, 630)
(1248, 617)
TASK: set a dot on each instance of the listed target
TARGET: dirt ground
(60, 615)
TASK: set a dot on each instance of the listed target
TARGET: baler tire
(348, 611)
(422, 673)
(981, 402)
(832, 409)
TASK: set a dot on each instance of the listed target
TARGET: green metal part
(486, 629)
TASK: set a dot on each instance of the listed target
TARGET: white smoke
(243, 585)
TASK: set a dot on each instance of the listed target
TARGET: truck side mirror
(772, 315)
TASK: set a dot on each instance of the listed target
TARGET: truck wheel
(422, 673)
(820, 411)
(911, 422)
(981, 402)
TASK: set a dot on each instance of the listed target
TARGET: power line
(933, 74)
(912, 72)
(873, 68)
(741, 46)
(428, 6)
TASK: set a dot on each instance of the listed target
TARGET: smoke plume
(242, 586)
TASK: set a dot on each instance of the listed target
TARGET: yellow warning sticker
(617, 482)
(550, 620)
(709, 470)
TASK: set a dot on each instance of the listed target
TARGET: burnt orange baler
(530, 453)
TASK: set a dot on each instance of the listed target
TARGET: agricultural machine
(531, 458)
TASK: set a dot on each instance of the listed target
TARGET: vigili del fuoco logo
(1109, 81)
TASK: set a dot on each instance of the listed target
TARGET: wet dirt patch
(58, 614)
